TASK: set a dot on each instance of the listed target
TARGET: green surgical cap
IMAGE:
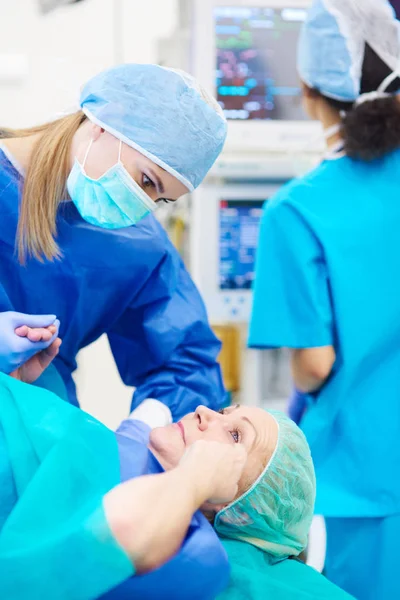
(275, 514)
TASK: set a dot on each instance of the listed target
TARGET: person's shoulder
(8, 177)
(142, 247)
(150, 245)
(287, 578)
(309, 582)
(302, 187)
(305, 192)
(149, 234)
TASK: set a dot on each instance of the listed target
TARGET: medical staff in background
(78, 238)
(328, 287)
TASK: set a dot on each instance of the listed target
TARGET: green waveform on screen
(243, 41)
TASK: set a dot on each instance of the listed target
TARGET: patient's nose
(205, 416)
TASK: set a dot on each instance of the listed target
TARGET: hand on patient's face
(34, 367)
(250, 427)
(216, 468)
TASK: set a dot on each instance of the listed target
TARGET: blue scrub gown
(327, 273)
(128, 283)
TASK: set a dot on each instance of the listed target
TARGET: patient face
(253, 427)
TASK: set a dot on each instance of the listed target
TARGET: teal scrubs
(51, 380)
(254, 576)
(362, 556)
(328, 273)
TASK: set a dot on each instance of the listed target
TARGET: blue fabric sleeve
(134, 430)
(291, 305)
(199, 571)
(163, 344)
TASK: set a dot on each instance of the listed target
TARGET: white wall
(67, 46)
(62, 50)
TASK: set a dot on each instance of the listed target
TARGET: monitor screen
(238, 237)
(256, 75)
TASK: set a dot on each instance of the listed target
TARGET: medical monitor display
(239, 222)
(256, 76)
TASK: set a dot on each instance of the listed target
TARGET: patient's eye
(222, 411)
(236, 435)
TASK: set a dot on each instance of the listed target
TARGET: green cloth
(255, 577)
(56, 464)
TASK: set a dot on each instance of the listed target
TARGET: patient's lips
(182, 430)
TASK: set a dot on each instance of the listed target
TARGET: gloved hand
(297, 406)
(17, 348)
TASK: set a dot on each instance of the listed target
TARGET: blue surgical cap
(332, 44)
(163, 113)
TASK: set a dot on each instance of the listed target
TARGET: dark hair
(372, 129)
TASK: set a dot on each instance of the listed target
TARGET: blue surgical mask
(113, 201)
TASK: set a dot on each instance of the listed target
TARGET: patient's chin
(167, 446)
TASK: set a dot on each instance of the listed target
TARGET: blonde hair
(44, 187)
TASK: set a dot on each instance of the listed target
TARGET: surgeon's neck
(329, 117)
(22, 148)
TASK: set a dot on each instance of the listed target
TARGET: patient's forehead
(267, 430)
(260, 418)
(264, 446)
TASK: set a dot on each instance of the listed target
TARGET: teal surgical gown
(328, 273)
(254, 576)
(56, 465)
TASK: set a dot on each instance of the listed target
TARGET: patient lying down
(273, 506)
(250, 469)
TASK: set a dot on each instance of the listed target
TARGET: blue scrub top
(128, 283)
(328, 273)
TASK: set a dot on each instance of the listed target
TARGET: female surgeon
(327, 286)
(76, 197)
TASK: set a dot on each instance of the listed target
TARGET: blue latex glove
(297, 406)
(16, 350)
